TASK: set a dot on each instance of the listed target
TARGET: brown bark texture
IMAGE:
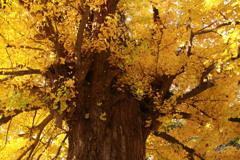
(107, 124)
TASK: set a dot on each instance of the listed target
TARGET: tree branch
(183, 114)
(4, 119)
(41, 126)
(234, 119)
(169, 138)
(21, 73)
(204, 31)
(199, 109)
(207, 71)
(59, 149)
(202, 87)
(6, 137)
(24, 47)
(80, 35)
(211, 30)
(6, 78)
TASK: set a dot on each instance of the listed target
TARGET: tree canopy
(179, 59)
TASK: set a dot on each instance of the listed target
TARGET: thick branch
(21, 73)
(234, 119)
(189, 51)
(166, 86)
(169, 138)
(80, 34)
(202, 87)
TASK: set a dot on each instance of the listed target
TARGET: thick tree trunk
(107, 124)
(119, 137)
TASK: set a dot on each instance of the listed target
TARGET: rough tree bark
(121, 135)
(106, 124)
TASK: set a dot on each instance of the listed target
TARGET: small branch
(223, 15)
(9, 57)
(183, 114)
(207, 71)
(25, 47)
(203, 112)
(211, 30)
(44, 122)
(4, 119)
(33, 121)
(59, 149)
(208, 26)
(21, 73)
(6, 138)
(6, 78)
(203, 31)
(45, 148)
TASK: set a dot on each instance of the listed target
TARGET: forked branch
(212, 30)
(41, 126)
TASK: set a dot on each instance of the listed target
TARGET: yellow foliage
(190, 36)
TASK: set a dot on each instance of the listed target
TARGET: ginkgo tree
(119, 79)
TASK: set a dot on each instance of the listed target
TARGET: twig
(6, 78)
(24, 47)
(6, 138)
(59, 149)
(219, 26)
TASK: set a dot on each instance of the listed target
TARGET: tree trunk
(107, 124)
(119, 137)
